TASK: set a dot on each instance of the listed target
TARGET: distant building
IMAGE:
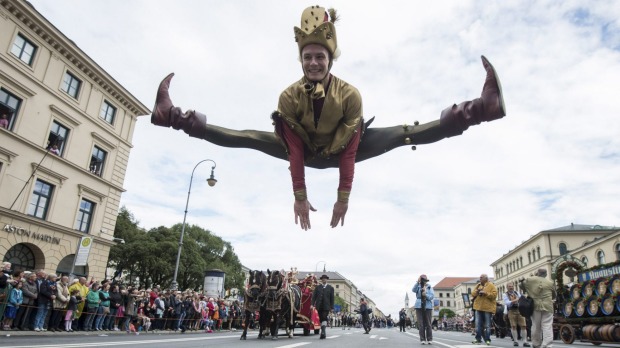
(65, 149)
(591, 244)
(449, 291)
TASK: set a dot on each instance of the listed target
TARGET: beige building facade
(592, 244)
(64, 146)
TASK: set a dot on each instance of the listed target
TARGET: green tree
(448, 312)
(149, 257)
(342, 303)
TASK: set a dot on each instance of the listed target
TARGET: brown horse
(282, 302)
(254, 299)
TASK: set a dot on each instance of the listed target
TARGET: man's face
(510, 287)
(324, 281)
(483, 279)
(82, 280)
(315, 62)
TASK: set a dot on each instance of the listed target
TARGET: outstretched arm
(302, 206)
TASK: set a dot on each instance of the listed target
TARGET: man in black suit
(323, 301)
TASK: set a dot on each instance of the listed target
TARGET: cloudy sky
(447, 209)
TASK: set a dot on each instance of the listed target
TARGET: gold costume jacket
(340, 117)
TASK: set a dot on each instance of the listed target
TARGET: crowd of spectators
(44, 302)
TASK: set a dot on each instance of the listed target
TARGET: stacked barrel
(598, 303)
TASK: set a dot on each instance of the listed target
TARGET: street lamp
(317, 266)
(211, 181)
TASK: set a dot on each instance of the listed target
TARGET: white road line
(295, 345)
(123, 343)
(373, 336)
(439, 343)
(334, 336)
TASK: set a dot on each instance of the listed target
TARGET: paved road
(336, 338)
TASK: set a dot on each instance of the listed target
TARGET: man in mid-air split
(319, 120)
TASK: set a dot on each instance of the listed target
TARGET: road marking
(443, 344)
(373, 336)
(123, 343)
(334, 336)
(295, 345)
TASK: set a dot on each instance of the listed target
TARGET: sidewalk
(106, 333)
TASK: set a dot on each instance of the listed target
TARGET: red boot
(165, 114)
(490, 106)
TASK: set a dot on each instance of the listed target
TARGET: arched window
(521, 260)
(584, 259)
(21, 257)
(563, 248)
(600, 257)
(538, 252)
(64, 267)
(617, 249)
(529, 257)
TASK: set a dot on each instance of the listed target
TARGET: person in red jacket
(319, 120)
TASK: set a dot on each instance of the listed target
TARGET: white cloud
(447, 209)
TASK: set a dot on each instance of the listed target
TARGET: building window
(24, 49)
(9, 105)
(56, 139)
(441, 303)
(600, 257)
(584, 259)
(441, 294)
(521, 260)
(21, 258)
(97, 160)
(40, 199)
(447, 303)
(108, 112)
(538, 253)
(448, 295)
(85, 216)
(337, 286)
(529, 257)
(71, 84)
(563, 249)
(617, 249)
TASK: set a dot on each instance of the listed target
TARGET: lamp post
(211, 181)
(316, 267)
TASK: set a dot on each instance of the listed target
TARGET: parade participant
(323, 302)
(541, 290)
(402, 320)
(424, 308)
(517, 321)
(484, 294)
(319, 119)
(365, 315)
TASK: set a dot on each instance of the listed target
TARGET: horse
(283, 301)
(254, 298)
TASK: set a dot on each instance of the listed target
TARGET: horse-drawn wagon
(589, 309)
(281, 301)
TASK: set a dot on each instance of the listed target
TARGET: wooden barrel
(608, 305)
(588, 331)
(580, 308)
(593, 307)
(614, 285)
(601, 286)
(606, 332)
(568, 309)
(597, 335)
(587, 289)
(615, 333)
(575, 292)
